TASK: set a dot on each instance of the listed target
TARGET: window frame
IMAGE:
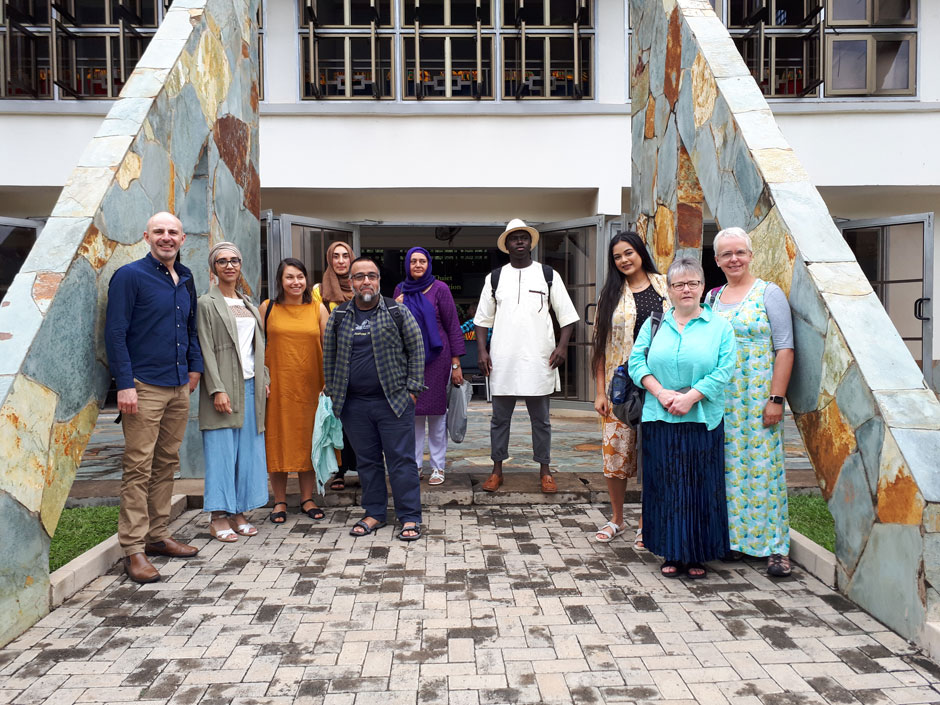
(872, 39)
(871, 17)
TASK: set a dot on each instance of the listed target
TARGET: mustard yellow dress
(294, 356)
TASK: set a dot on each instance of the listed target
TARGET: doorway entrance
(896, 254)
(17, 237)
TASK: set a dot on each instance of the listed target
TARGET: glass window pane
(531, 81)
(788, 12)
(361, 49)
(749, 48)
(360, 13)
(92, 66)
(431, 79)
(29, 74)
(533, 13)
(133, 50)
(865, 244)
(464, 12)
(562, 12)
(32, 11)
(849, 65)
(330, 69)
(740, 10)
(848, 11)
(894, 11)
(464, 66)
(146, 11)
(562, 82)
(789, 68)
(432, 12)
(88, 12)
(330, 12)
(15, 244)
(892, 65)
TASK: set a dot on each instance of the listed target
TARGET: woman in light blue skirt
(232, 399)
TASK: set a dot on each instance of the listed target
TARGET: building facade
(393, 123)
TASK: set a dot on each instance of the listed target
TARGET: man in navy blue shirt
(154, 355)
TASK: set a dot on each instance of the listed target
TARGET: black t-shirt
(646, 302)
(363, 374)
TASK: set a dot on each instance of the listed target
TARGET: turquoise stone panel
(160, 123)
(24, 580)
(663, 114)
(750, 183)
(194, 207)
(641, 18)
(124, 214)
(668, 166)
(932, 558)
(705, 160)
(731, 210)
(56, 245)
(21, 319)
(883, 359)
(886, 581)
(803, 392)
(685, 117)
(62, 362)
(689, 48)
(192, 459)
(195, 254)
(921, 450)
(854, 398)
(155, 179)
(869, 437)
(189, 135)
(852, 509)
(810, 224)
(659, 30)
(805, 301)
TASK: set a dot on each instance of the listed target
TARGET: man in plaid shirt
(373, 357)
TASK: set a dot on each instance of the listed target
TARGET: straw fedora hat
(512, 226)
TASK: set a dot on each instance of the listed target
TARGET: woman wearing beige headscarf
(334, 290)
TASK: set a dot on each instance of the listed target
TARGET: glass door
(17, 237)
(571, 248)
(896, 255)
(307, 239)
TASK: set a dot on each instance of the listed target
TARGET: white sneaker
(437, 477)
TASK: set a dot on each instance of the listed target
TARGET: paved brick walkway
(494, 605)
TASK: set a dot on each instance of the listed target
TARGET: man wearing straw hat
(523, 359)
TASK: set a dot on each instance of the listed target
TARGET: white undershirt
(245, 323)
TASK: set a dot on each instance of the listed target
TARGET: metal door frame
(926, 308)
(286, 220)
(600, 235)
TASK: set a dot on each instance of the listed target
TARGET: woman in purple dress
(433, 307)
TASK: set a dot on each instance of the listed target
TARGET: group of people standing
(715, 374)
(713, 470)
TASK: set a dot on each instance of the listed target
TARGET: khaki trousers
(152, 439)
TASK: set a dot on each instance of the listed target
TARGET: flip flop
(614, 532)
(366, 529)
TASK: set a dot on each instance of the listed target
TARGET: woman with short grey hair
(754, 456)
(231, 408)
(684, 368)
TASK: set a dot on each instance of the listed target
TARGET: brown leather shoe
(548, 484)
(170, 547)
(492, 483)
(140, 569)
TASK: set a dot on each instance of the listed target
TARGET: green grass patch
(80, 529)
(810, 516)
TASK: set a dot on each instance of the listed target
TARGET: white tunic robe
(523, 338)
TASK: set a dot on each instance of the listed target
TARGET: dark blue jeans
(373, 429)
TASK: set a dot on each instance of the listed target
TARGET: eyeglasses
(679, 286)
(234, 261)
(362, 276)
(725, 256)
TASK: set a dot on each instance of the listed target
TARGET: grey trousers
(538, 408)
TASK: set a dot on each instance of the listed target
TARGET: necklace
(641, 287)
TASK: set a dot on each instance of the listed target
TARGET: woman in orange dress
(294, 326)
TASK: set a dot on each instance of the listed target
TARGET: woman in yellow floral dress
(632, 291)
(755, 478)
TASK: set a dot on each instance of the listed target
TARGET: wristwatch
(775, 399)
(455, 366)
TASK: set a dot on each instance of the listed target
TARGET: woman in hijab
(334, 290)
(432, 305)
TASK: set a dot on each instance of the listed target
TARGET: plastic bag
(458, 399)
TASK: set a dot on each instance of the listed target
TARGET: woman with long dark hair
(633, 290)
(294, 330)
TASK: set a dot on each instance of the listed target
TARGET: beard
(366, 297)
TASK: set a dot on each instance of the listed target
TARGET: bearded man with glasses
(373, 357)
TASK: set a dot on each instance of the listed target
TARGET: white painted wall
(42, 150)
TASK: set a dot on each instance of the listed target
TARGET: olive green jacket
(218, 338)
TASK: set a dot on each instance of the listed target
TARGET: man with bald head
(153, 352)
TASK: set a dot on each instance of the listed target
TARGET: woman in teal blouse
(684, 370)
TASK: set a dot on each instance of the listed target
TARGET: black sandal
(410, 526)
(703, 571)
(778, 566)
(366, 529)
(679, 569)
(314, 512)
(278, 517)
(338, 484)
